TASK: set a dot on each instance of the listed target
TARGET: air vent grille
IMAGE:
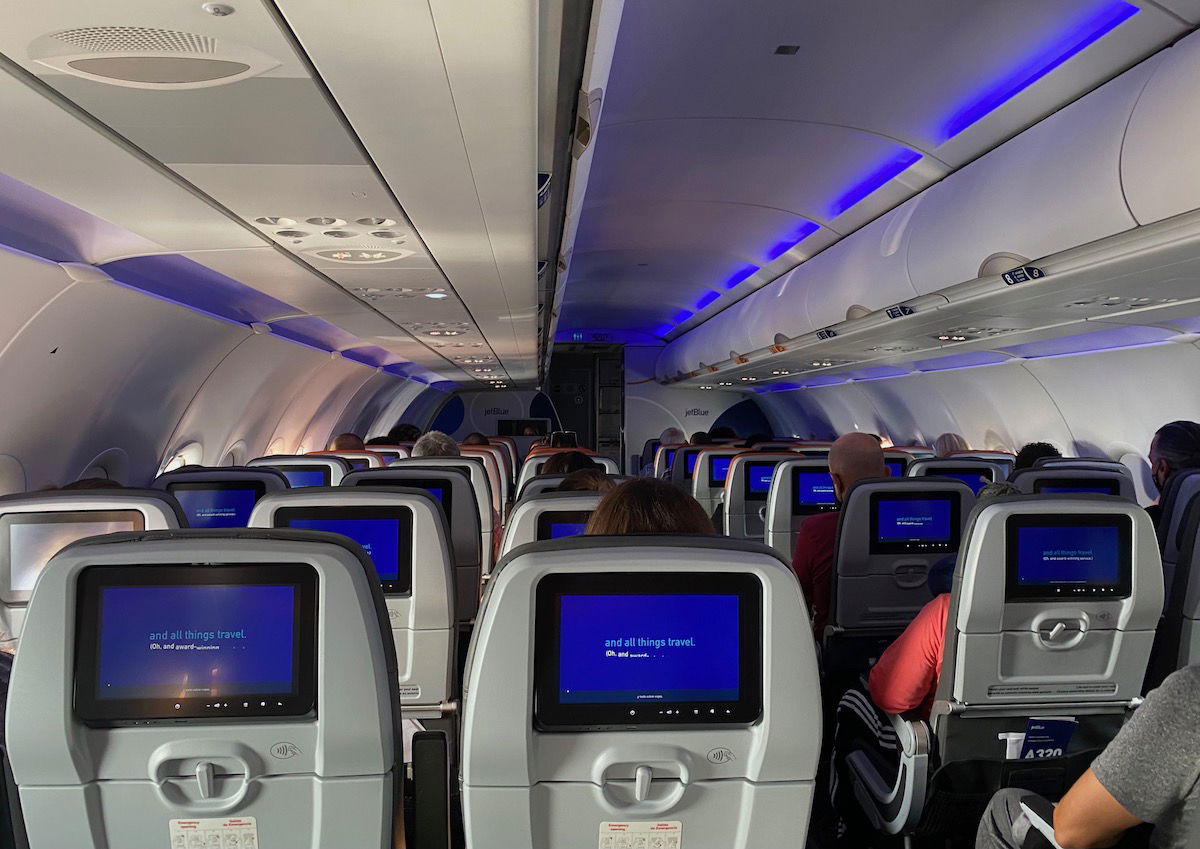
(122, 39)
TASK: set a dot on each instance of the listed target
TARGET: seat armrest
(431, 791)
(895, 807)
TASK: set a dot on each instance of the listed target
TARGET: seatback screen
(692, 457)
(1068, 556)
(670, 457)
(976, 479)
(304, 476)
(814, 491)
(384, 533)
(718, 470)
(217, 504)
(914, 523)
(758, 479)
(681, 648)
(1078, 486)
(439, 488)
(559, 524)
(29, 540)
(195, 642)
(358, 463)
(896, 467)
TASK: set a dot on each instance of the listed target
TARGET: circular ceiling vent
(150, 58)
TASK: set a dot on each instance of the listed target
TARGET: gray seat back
(799, 488)
(548, 515)
(307, 469)
(974, 473)
(1071, 480)
(747, 488)
(708, 479)
(220, 497)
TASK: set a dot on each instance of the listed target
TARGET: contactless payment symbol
(720, 755)
(283, 751)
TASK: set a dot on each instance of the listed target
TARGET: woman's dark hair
(565, 462)
(405, 432)
(476, 438)
(587, 480)
(700, 437)
(649, 506)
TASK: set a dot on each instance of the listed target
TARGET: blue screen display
(435, 491)
(195, 641)
(558, 530)
(691, 463)
(720, 468)
(670, 457)
(1068, 490)
(304, 477)
(815, 489)
(914, 520)
(975, 481)
(895, 468)
(216, 508)
(358, 463)
(1068, 555)
(379, 538)
(759, 477)
(648, 648)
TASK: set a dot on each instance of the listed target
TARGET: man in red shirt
(853, 457)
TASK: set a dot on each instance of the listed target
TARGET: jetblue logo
(1022, 275)
(496, 411)
(695, 411)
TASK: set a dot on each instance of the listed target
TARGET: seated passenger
(1148, 773)
(404, 432)
(669, 436)
(476, 438)
(649, 506)
(563, 439)
(948, 443)
(378, 440)
(565, 462)
(1175, 447)
(94, 483)
(1029, 454)
(346, 442)
(903, 680)
(754, 439)
(436, 444)
(722, 432)
(587, 480)
(700, 438)
(853, 457)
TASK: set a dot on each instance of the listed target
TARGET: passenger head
(94, 483)
(379, 440)
(1176, 446)
(948, 443)
(436, 444)
(565, 462)
(346, 442)
(476, 438)
(854, 457)
(672, 436)
(1029, 454)
(722, 432)
(700, 438)
(754, 439)
(404, 432)
(564, 439)
(586, 480)
(529, 430)
(649, 506)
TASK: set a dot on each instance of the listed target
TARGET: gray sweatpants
(1005, 826)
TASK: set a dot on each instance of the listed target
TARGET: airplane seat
(974, 473)
(649, 449)
(220, 497)
(1075, 480)
(541, 484)
(683, 467)
(307, 469)
(1051, 620)
(797, 489)
(34, 526)
(364, 459)
(549, 515)
(497, 485)
(1177, 642)
(664, 457)
(708, 477)
(1005, 458)
(391, 453)
(533, 465)
(480, 484)
(747, 487)
(208, 694)
(403, 532)
(451, 487)
(510, 448)
(1176, 499)
(676, 698)
(503, 462)
(891, 531)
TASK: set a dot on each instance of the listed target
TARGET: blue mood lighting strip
(796, 237)
(1106, 19)
(706, 299)
(740, 276)
(877, 179)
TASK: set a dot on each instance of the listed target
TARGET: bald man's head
(852, 458)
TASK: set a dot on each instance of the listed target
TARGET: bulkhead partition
(594, 706)
(206, 684)
(403, 533)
